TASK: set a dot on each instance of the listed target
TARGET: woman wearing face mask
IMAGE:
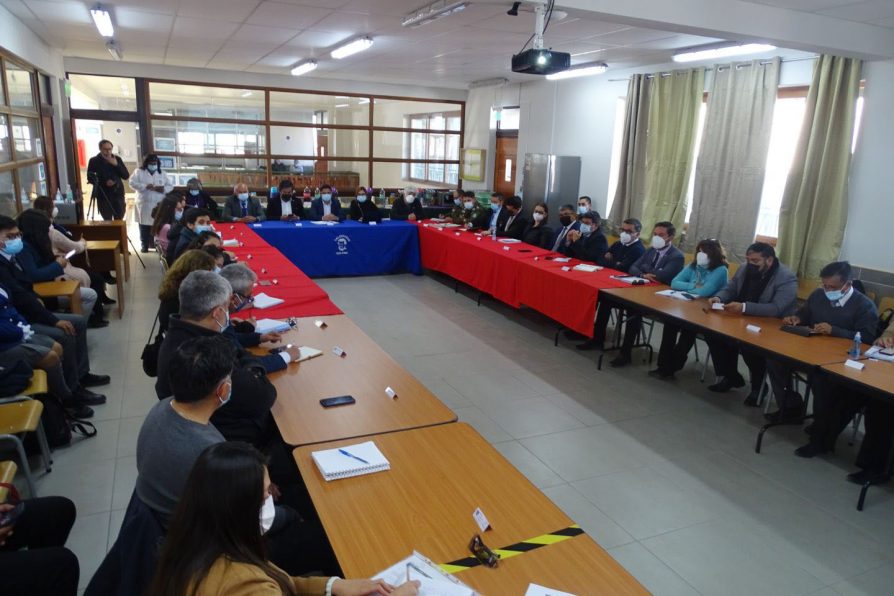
(539, 234)
(151, 186)
(169, 291)
(363, 209)
(215, 540)
(197, 196)
(703, 278)
(167, 214)
(407, 207)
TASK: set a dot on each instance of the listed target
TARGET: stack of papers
(677, 294)
(351, 460)
(876, 352)
(231, 242)
(262, 300)
(629, 279)
(324, 223)
(271, 326)
(587, 268)
(538, 590)
(434, 582)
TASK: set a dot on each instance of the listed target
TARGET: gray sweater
(167, 447)
(858, 314)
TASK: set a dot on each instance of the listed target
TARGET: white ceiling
(270, 36)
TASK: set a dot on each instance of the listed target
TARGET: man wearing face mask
(625, 252)
(287, 206)
(205, 300)
(197, 196)
(498, 215)
(456, 210)
(835, 309)
(584, 205)
(516, 224)
(106, 172)
(764, 287)
(326, 207)
(587, 243)
(568, 223)
(242, 207)
(407, 207)
(473, 215)
(151, 185)
(363, 209)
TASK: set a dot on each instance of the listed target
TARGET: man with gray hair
(205, 299)
(242, 280)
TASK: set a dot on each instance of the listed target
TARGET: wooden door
(49, 138)
(504, 165)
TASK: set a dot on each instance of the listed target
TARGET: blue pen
(349, 454)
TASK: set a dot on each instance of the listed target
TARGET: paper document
(631, 279)
(876, 352)
(324, 223)
(587, 268)
(262, 300)
(231, 242)
(350, 460)
(434, 581)
(677, 294)
(306, 353)
(536, 590)
(271, 326)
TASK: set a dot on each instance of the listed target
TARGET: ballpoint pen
(349, 454)
(421, 572)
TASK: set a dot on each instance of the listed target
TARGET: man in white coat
(151, 186)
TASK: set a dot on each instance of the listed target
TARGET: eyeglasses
(245, 301)
(481, 552)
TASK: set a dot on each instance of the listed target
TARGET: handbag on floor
(151, 350)
(59, 426)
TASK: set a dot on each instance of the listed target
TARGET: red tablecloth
(521, 275)
(303, 297)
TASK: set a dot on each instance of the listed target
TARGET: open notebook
(346, 461)
(262, 300)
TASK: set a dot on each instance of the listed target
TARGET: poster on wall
(472, 164)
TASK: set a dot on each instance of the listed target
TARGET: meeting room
(446, 297)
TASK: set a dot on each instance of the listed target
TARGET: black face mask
(752, 269)
(287, 197)
(565, 220)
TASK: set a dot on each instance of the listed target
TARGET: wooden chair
(7, 475)
(68, 288)
(885, 303)
(20, 415)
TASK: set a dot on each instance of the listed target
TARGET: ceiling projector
(540, 61)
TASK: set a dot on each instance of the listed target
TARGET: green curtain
(814, 205)
(630, 193)
(673, 121)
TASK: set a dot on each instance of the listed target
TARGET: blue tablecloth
(347, 248)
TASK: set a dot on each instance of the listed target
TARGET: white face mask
(538, 216)
(457, 202)
(410, 198)
(581, 209)
(626, 238)
(268, 513)
(585, 229)
(658, 242)
(701, 259)
(469, 204)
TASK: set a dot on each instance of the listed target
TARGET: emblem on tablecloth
(341, 244)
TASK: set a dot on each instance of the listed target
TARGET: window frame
(428, 133)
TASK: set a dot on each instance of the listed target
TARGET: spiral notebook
(350, 460)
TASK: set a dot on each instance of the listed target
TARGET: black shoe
(97, 323)
(620, 361)
(144, 249)
(91, 380)
(809, 450)
(660, 373)
(109, 279)
(868, 477)
(727, 383)
(106, 300)
(79, 410)
(787, 416)
(84, 396)
(753, 399)
(590, 344)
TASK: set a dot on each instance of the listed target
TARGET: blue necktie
(244, 208)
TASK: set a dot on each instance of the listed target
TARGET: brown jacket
(226, 578)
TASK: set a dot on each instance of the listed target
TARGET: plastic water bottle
(58, 198)
(855, 350)
(69, 194)
(493, 233)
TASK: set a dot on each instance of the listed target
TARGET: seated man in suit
(407, 207)
(242, 207)
(285, 207)
(625, 252)
(363, 209)
(764, 287)
(498, 214)
(587, 243)
(660, 264)
(516, 224)
(835, 309)
(568, 222)
(325, 208)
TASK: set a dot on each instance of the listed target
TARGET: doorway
(505, 165)
(125, 136)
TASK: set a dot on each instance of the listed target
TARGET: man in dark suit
(627, 250)
(587, 243)
(660, 264)
(568, 223)
(242, 207)
(106, 172)
(285, 207)
(325, 208)
(516, 224)
(499, 214)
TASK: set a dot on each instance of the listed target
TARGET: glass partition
(402, 113)
(8, 205)
(203, 101)
(214, 138)
(92, 92)
(19, 84)
(309, 108)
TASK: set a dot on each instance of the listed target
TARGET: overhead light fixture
(303, 67)
(342, 105)
(433, 12)
(495, 82)
(114, 49)
(103, 21)
(582, 70)
(363, 101)
(720, 50)
(352, 47)
(246, 94)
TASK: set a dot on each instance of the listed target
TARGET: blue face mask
(152, 168)
(834, 295)
(194, 192)
(243, 196)
(178, 215)
(495, 207)
(326, 197)
(202, 228)
(14, 246)
(361, 198)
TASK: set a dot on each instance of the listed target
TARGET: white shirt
(327, 208)
(843, 300)
(286, 207)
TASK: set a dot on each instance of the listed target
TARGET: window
(700, 128)
(433, 146)
(92, 92)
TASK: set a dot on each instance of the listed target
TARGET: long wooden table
(105, 255)
(105, 230)
(364, 372)
(439, 475)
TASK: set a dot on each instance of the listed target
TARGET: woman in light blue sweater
(703, 278)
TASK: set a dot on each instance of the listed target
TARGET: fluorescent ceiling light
(583, 70)
(304, 68)
(103, 21)
(364, 100)
(433, 12)
(342, 105)
(114, 49)
(246, 94)
(724, 50)
(494, 82)
(352, 47)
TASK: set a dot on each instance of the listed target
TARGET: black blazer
(316, 209)
(589, 248)
(274, 208)
(575, 225)
(99, 171)
(541, 236)
(365, 212)
(401, 211)
(516, 229)
(203, 201)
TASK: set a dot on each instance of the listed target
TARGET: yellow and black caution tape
(513, 550)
